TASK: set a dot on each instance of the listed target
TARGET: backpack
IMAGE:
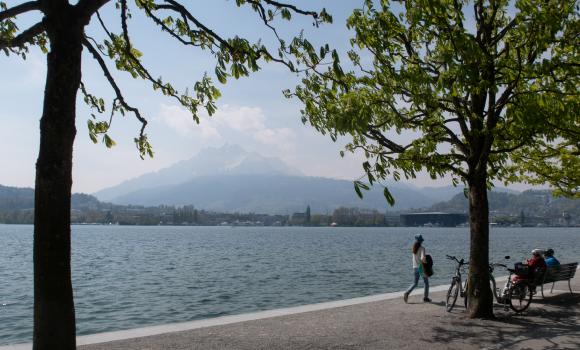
(428, 266)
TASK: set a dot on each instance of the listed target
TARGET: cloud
(181, 121)
(252, 119)
(239, 121)
(281, 138)
(241, 118)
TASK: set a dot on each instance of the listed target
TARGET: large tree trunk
(54, 314)
(479, 291)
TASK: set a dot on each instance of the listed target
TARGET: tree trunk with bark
(54, 314)
(479, 291)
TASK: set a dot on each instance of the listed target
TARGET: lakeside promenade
(376, 322)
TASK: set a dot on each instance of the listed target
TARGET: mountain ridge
(228, 159)
(274, 194)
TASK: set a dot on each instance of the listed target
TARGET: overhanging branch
(508, 149)
(88, 7)
(23, 38)
(111, 80)
(141, 69)
(19, 9)
(384, 141)
(171, 32)
(292, 7)
(223, 43)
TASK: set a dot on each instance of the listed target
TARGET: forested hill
(531, 203)
(12, 198)
(15, 198)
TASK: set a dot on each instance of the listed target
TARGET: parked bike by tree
(516, 294)
(457, 287)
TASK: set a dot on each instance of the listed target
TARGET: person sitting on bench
(535, 263)
(549, 258)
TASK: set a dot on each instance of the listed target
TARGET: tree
(485, 91)
(61, 34)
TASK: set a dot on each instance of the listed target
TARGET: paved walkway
(551, 323)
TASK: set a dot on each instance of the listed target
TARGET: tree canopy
(479, 90)
(500, 76)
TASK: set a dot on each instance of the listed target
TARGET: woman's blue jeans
(425, 280)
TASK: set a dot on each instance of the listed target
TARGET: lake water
(129, 277)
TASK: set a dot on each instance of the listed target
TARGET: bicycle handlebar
(460, 262)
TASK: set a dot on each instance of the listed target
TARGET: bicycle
(457, 287)
(517, 295)
(495, 291)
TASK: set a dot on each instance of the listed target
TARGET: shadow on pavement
(550, 323)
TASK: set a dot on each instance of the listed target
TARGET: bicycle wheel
(452, 295)
(493, 286)
(465, 297)
(520, 296)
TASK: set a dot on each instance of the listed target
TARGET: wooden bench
(562, 272)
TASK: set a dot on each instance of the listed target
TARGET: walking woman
(418, 260)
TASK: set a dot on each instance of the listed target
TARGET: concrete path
(551, 323)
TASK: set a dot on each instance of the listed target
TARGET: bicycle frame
(511, 289)
(457, 286)
(515, 295)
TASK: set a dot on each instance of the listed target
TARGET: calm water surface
(128, 277)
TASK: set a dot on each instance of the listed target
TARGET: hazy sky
(252, 111)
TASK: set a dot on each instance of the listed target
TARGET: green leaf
(108, 141)
(357, 190)
(389, 197)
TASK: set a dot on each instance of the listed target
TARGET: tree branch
(142, 70)
(124, 25)
(171, 32)
(88, 7)
(177, 7)
(19, 9)
(23, 38)
(292, 7)
(114, 85)
(508, 149)
(384, 141)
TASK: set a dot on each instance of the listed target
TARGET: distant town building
(434, 219)
(392, 219)
(298, 219)
(301, 218)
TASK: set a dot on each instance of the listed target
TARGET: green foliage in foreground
(500, 97)
(459, 88)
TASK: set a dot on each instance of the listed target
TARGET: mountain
(273, 194)
(226, 160)
(231, 179)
